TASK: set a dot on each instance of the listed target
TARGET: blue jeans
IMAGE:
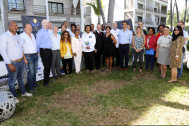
(32, 70)
(180, 70)
(19, 75)
(150, 59)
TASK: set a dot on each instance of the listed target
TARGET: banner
(35, 22)
(119, 24)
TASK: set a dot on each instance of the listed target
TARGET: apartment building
(58, 11)
(151, 12)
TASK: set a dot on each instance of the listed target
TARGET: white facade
(17, 9)
(150, 12)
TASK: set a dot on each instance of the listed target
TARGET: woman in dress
(176, 52)
(77, 50)
(109, 48)
(139, 41)
(150, 46)
(162, 51)
(66, 51)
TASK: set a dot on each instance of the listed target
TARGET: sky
(180, 3)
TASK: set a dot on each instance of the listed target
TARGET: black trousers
(89, 60)
(140, 55)
(98, 59)
(66, 62)
(124, 53)
(46, 56)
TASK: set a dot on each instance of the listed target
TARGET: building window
(16, 5)
(128, 4)
(55, 8)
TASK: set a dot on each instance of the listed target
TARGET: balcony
(59, 12)
(140, 6)
(163, 12)
(148, 8)
(166, 1)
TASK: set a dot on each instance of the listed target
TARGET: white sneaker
(16, 100)
(26, 94)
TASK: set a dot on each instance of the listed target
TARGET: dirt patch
(183, 82)
(104, 87)
(72, 99)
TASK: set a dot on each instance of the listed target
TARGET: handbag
(149, 52)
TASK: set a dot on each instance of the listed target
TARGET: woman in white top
(55, 39)
(88, 43)
(162, 51)
(77, 50)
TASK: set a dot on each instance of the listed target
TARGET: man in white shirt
(30, 51)
(12, 53)
(55, 38)
(115, 32)
(88, 43)
(185, 33)
(50, 28)
(65, 23)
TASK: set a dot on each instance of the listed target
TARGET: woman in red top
(151, 43)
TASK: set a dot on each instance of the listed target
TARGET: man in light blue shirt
(44, 46)
(125, 38)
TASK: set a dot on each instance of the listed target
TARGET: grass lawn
(115, 98)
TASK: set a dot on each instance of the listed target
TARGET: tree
(5, 9)
(96, 9)
(177, 11)
(171, 12)
(102, 12)
(69, 12)
(111, 11)
(185, 11)
(29, 7)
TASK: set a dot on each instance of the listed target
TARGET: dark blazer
(81, 33)
(99, 40)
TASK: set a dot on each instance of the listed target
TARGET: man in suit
(98, 47)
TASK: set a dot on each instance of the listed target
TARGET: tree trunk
(69, 12)
(5, 9)
(171, 15)
(185, 12)
(111, 11)
(102, 12)
(177, 11)
(29, 7)
(99, 19)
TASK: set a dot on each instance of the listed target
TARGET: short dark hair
(180, 33)
(73, 25)
(77, 30)
(108, 27)
(160, 26)
(88, 26)
(124, 22)
(167, 27)
(153, 29)
(26, 24)
(181, 22)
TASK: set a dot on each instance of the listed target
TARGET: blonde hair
(142, 33)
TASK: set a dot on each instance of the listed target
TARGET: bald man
(44, 46)
(13, 56)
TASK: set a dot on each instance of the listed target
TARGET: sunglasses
(176, 29)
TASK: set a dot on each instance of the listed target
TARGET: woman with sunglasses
(66, 51)
(176, 52)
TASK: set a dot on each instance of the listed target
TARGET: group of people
(105, 44)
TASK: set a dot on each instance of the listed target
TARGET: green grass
(116, 98)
